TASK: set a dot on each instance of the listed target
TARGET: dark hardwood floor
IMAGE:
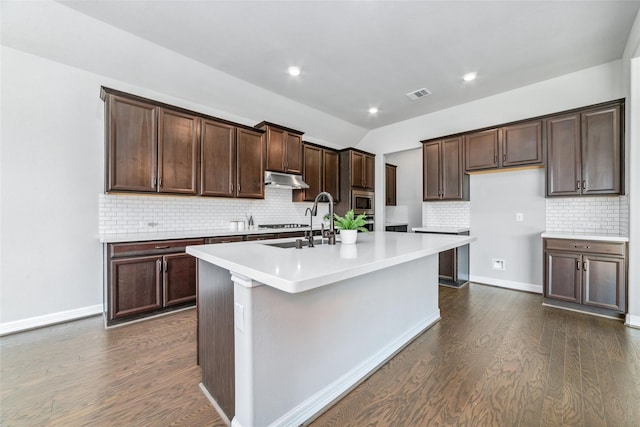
(497, 358)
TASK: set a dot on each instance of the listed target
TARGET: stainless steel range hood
(284, 180)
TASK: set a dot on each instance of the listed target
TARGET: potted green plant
(349, 225)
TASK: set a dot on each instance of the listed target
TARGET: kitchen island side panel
(299, 353)
(216, 334)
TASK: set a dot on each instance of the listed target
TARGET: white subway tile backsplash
(446, 214)
(606, 215)
(123, 213)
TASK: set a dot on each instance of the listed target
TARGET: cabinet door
(131, 145)
(357, 169)
(178, 152)
(293, 152)
(522, 144)
(179, 279)
(563, 273)
(369, 179)
(390, 185)
(332, 174)
(135, 286)
(601, 151)
(251, 158)
(218, 156)
(481, 150)
(431, 180)
(563, 156)
(276, 149)
(451, 169)
(312, 171)
(604, 282)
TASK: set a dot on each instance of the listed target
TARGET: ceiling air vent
(417, 94)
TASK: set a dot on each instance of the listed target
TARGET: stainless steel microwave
(362, 202)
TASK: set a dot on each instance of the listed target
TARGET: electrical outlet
(498, 264)
(519, 217)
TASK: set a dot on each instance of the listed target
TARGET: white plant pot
(348, 237)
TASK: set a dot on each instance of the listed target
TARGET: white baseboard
(317, 403)
(49, 319)
(632, 321)
(509, 284)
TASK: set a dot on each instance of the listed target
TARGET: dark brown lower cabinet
(146, 278)
(448, 265)
(586, 275)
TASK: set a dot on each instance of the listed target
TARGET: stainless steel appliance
(363, 202)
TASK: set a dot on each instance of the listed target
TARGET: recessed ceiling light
(294, 71)
(469, 76)
(373, 110)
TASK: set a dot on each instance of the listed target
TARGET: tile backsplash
(135, 213)
(600, 215)
(446, 214)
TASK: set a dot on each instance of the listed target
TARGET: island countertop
(298, 270)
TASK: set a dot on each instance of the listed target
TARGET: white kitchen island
(284, 332)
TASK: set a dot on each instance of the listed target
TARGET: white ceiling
(359, 54)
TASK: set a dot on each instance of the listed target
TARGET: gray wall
(496, 198)
(409, 183)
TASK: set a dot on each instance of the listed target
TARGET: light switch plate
(519, 217)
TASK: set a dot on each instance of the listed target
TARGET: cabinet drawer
(261, 236)
(586, 246)
(224, 239)
(148, 248)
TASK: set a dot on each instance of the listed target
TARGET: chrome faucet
(331, 232)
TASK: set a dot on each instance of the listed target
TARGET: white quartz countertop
(298, 270)
(443, 230)
(193, 234)
(585, 236)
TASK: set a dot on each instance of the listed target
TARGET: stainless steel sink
(293, 244)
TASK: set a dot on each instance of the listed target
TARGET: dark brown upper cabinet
(481, 150)
(584, 152)
(390, 184)
(320, 171)
(331, 174)
(251, 153)
(131, 145)
(521, 144)
(362, 170)
(153, 147)
(232, 161)
(284, 148)
(218, 159)
(150, 148)
(178, 152)
(509, 146)
(443, 176)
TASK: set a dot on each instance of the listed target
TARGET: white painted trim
(217, 407)
(509, 284)
(49, 319)
(632, 321)
(317, 403)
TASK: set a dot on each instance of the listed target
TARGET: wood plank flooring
(497, 358)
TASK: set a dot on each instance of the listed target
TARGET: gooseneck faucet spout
(331, 232)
